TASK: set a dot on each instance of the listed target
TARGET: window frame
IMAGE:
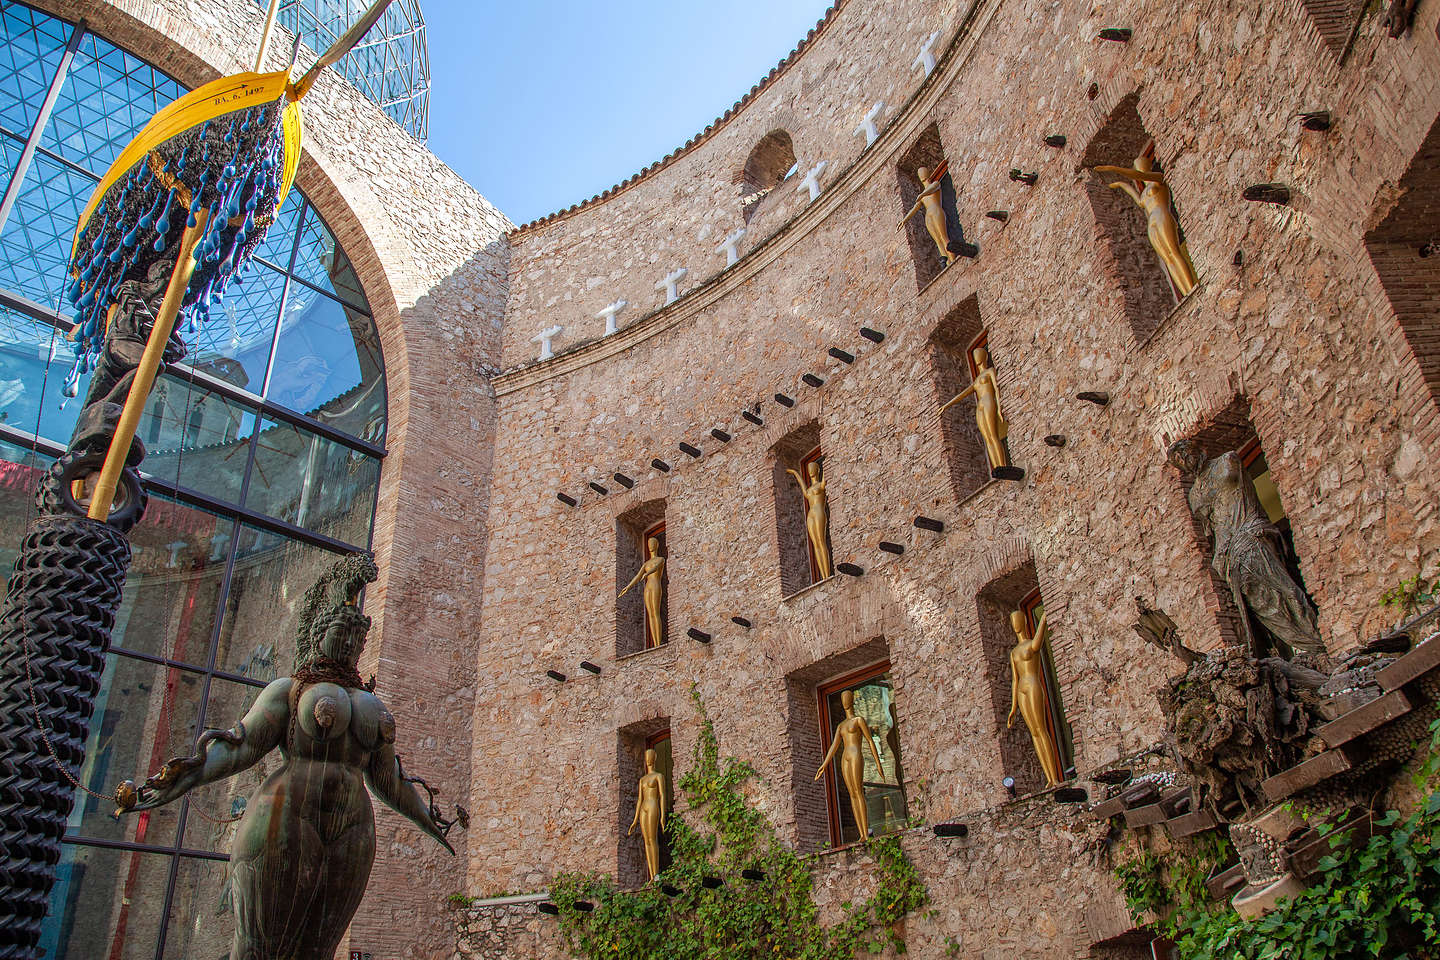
(823, 691)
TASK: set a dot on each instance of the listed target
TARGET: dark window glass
(172, 590)
(105, 903)
(201, 920)
(144, 715)
(327, 364)
(267, 586)
(204, 440)
(304, 479)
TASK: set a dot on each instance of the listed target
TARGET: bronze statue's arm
(958, 397)
(386, 781)
(798, 479)
(834, 745)
(1039, 638)
(219, 754)
(664, 804)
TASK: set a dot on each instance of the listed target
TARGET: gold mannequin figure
(929, 200)
(987, 410)
(851, 733)
(650, 808)
(1027, 694)
(817, 517)
(1150, 191)
(653, 570)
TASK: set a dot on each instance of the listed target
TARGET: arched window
(263, 465)
(772, 160)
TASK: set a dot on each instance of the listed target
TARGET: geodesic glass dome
(390, 65)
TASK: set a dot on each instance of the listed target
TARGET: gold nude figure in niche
(1148, 189)
(930, 202)
(817, 517)
(653, 573)
(851, 732)
(988, 417)
(1028, 696)
(650, 807)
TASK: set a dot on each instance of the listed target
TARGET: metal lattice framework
(390, 66)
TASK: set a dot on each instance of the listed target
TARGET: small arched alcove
(768, 164)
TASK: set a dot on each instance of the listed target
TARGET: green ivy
(774, 918)
(1380, 898)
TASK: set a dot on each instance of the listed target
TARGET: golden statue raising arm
(932, 203)
(1152, 194)
(817, 517)
(1029, 696)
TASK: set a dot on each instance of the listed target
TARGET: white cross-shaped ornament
(812, 180)
(671, 284)
(546, 340)
(870, 125)
(731, 247)
(927, 55)
(608, 315)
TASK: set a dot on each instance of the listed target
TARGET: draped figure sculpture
(817, 517)
(651, 805)
(652, 571)
(1028, 694)
(993, 427)
(1247, 549)
(1151, 193)
(302, 851)
(851, 732)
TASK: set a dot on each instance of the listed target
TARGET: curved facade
(515, 494)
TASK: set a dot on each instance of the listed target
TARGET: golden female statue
(653, 572)
(817, 517)
(930, 201)
(1150, 191)
(650, 808)
(1027, 693)
(851, 733)
(987, 411)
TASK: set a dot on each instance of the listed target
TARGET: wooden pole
(147, 371)
(265, 37)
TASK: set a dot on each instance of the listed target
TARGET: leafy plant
(1409, 595)
(771, 917)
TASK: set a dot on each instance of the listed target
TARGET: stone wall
(1028, 880)
(1290, 335)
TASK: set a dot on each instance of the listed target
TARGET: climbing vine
(771, 916)
(1379, 898)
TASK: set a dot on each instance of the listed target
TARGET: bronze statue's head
(982, 357)
(923, 173)
(813, 469)
(1017, 621)
(654, 546)
(1187, 456)
(847, 700)
(650, 756)
(344, 634)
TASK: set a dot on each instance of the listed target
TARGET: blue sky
(544, 104)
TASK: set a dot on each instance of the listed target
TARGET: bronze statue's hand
(1010, 720)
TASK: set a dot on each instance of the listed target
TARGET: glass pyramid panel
(34, 44)
(35, 244)
(108, 95)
